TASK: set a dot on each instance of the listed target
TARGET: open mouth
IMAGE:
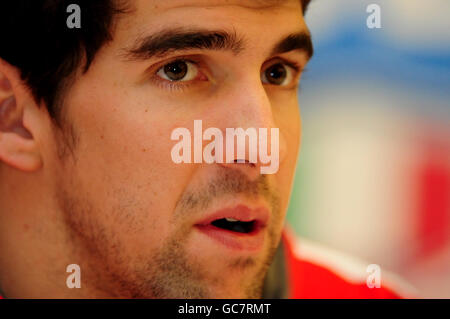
(235, 225)
(239, 228)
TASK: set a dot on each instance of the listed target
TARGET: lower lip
(252, 241)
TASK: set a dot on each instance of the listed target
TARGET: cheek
(288, 120)
(123, 160)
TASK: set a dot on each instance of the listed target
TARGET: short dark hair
(305, 4)
(35, 39)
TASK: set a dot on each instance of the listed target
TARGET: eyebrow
(296, 41)
(180, 39)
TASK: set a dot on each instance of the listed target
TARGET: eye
(278, 74)
(178, 71)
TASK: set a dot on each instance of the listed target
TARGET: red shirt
(318, 272)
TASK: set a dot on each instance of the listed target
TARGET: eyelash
(172, 86)
(180, 86)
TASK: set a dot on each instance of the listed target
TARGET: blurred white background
(373, 177)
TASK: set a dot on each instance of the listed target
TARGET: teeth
(231, 220)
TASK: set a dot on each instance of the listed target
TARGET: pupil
(276, 74)
(176, 71)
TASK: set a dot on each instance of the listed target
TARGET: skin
(103, 191)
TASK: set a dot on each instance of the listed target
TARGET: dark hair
(34, 37)
(305, 4)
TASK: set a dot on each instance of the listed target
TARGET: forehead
(244, 16)
(212, 3)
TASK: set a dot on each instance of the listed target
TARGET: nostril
(244, 161)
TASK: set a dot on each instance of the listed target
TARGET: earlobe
(18, 148)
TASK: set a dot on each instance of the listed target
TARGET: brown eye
(277, 74)
(178, 71)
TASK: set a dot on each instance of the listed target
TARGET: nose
(250, 115)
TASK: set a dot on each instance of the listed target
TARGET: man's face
(135, 219)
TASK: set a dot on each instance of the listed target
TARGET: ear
(18, 147)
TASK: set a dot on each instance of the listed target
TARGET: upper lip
(243, 213)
